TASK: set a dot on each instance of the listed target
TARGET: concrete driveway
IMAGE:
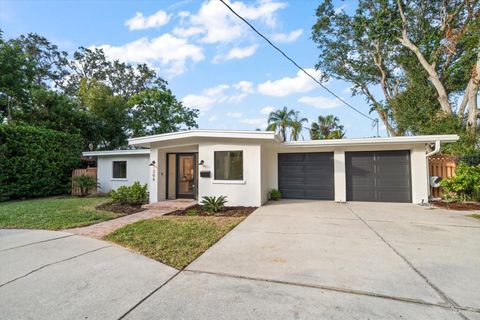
(288, 260)
(323, 260)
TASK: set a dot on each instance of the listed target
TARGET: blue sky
(211, 60)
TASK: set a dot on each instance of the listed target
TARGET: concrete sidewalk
(56, 275)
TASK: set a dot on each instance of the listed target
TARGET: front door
(186, 175)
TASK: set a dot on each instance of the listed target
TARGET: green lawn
(475, 215)
(53, 213)
(175, 241)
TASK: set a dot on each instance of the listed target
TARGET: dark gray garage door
(378, 176)
(306, 175)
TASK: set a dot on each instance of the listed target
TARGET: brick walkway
(158, 209)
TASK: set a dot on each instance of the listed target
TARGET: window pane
(228, 165)
(119, 169)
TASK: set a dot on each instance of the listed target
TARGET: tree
(110, 110)
(297, 126)
(155, 111)
(327, 127)
(280, 120)
(16, 76)
(422, 47)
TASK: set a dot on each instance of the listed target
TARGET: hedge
(36, 162)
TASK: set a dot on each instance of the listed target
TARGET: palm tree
(297, 126)
(280, 120)
(327, 127)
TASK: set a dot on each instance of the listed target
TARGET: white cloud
(165, 51)
(222, 93)
(237, 53)
(245, 86)
(267, 110)
(287, 37)
(254, 121)
(186, 32)
(202, 103)
(140, 22)
(320, 102)
(212, 118)
(286, 86)
(220, 25)
(234, 114)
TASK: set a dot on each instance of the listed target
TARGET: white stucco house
(245, 165)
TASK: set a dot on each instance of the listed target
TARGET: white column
(419, 167)
(340, 177)
(153, 176)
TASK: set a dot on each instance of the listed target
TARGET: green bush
(464, 186)
(214, 204)
(36, 162)
(132, 195)
(86, 183)
(274, 195)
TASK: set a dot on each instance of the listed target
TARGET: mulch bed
(225, 212)
(120, 208)
(463, 206)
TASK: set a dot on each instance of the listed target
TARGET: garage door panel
(378, 176)
(306, 175)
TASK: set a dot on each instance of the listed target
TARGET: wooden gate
(80, 172)
(443, 166)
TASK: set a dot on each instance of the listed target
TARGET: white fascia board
(226, 134)
(115, 152)
(373, 141)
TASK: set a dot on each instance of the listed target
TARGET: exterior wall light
(201, 163)
(152, 164)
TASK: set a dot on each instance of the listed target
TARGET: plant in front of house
(85, 183)
(131, 195)
(214, 204)
(464, 186)
(274, 195)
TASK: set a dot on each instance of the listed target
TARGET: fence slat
(443, 166)
(80, 172)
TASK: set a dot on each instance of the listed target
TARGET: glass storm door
(186, 176)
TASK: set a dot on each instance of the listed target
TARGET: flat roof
(115, 152)
(198, 133)
(373, 141)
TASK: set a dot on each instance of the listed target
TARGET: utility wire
(375, 121)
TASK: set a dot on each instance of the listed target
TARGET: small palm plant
(214, 204)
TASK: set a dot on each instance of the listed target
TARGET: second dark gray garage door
(306, 175)
(378, 176)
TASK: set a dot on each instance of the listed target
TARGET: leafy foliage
(36, 162)
(283, 120)
(327, 127)
(131, 195)
(214, 204)
(105, 101)
(465, 185)
(274, 195)
(86, 183)
(422, 55)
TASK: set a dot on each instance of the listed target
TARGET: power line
(298, 66)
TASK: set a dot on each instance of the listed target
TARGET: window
(228, 165)
(119, 170)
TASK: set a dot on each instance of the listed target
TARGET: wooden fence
(79, 172)
(442, 166)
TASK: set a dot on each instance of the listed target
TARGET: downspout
(435, 150)
(431, 153)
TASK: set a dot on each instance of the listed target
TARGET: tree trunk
(430, 68)
(472, 93)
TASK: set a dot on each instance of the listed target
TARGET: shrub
(86, 183)
(131, 195)
(465, 185)
(274, 195)
(214, 204)
(36, 162)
